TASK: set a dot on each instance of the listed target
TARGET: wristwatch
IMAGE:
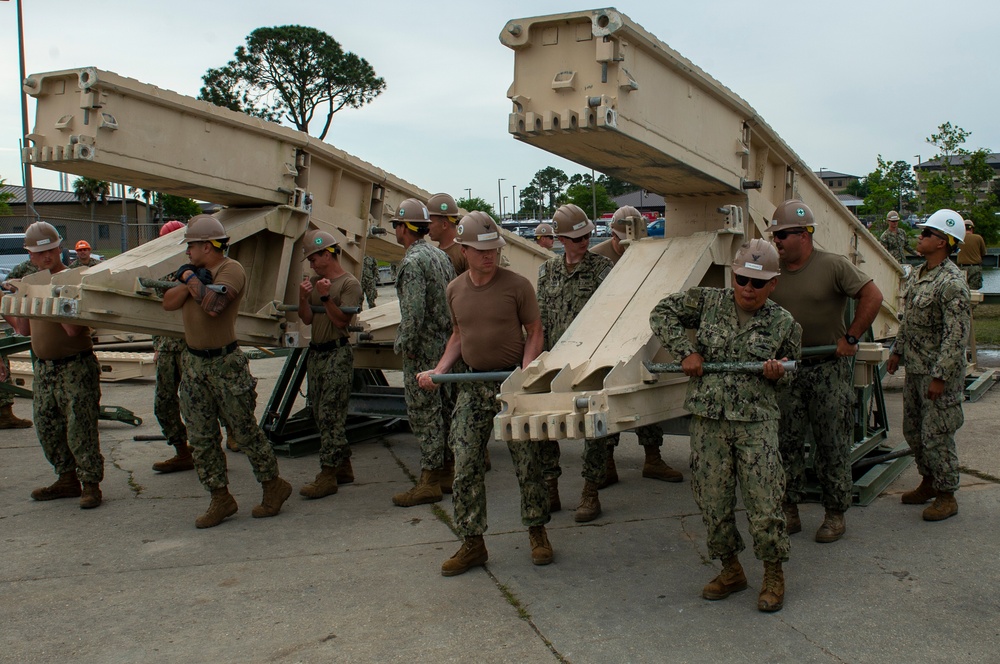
(326, 298)
(851, 340)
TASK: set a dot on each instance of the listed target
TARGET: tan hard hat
(791, 214)
(757, 259)
(315, 241)
(544, 230)
(411, 212)
(478, 230)
(969, 222)
(571, 221)
(205, 228)
(892, 216)
(443, 205)
(41, 236)
(623, 214)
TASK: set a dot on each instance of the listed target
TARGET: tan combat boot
(231, 442)
(471, 554)
(8, 420)
(555, 505)
(276, 492)
(610, 470)
(833, 527)
(223, 505)
(944, 506)
(922, 493)
(448, 476)
(730, 580)
(67, 486)
(590, 504)
(325, 484)
(772, 593)
(183, 460)
(91, 497)
(541, 550)
(656, 468)
(345, 472)
(427, 490)
(793, 524)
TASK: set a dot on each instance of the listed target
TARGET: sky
(840, 82)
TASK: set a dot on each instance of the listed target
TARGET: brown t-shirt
(490, 318)
(345, 291)
(202, 331)
(457, 258)
(972, 251)
(607, 249)
(49, 340)
(816, 295)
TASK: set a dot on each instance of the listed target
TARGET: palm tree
(89, 191)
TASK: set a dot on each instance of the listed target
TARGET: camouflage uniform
(561, 296)
(472, 429)
(166, 405)
(734, 432)
(931, 341)
(215, 385)
(424, 328)
(895, 243)
(67, 402)
(21, 270)
(369, 280)
(330, 374)
(91, 262)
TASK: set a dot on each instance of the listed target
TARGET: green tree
(476, 203)
(614, 186)
(288, 72)
(90, 191)
(532, 201)
(176, 207)
(551, 181)
(941, 185)
(5, 198)
(581, 193)
(858, 188)
(890, 187)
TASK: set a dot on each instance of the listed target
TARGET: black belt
(70, 358)
(329, 345)
(813, 361)
(471, 370)
(213, 352)
(970, 264)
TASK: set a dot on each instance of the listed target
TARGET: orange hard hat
(82, 244)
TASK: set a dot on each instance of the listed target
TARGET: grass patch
(986, 319)
(522, 613)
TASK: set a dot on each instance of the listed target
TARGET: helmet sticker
(444, 207)
(461, 229)
(579, 225)
(318, 240)
(800, 212)
(753, 266)
(44, 240)
(950, 223)
(483, 237)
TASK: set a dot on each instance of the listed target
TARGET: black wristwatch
(851, 340)
(326, 298)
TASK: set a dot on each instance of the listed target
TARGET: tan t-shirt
(49, 340)
(202, 331)
(607, 249)
(972, 251)
(490, 318)
(816, 295)
(345, 291)
(457, 258)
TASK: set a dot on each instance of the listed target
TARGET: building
(643, 201)
(925, 168)
(837, 182)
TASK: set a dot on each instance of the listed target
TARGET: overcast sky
(840, 82)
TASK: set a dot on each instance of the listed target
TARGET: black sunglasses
(756, 283)
(397, 224)
(929, 233)
(782, 235)
(575, 240)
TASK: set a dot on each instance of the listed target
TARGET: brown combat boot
(833, 527)
(276, 492)
(793, 524)
(8, 420)
(655, 468)
(231, 442)
(345, 472)
(91, 497)
(427, 490)
(772, 593)
(590, 504)
(610, 470)
(448, 476)
(541, 550)
(555, 505)
(944, 506)
(180, 461)
(922, 493)
(730, 580)
(471, 554)
(67, 486)
(325, 484)
(223, 505)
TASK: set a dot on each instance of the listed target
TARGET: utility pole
(500, 197)
(29, 193)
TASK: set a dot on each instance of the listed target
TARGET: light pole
(468, 193)
(593, 194)
(502, 207)
(500, 197)
(916, 172)
(29, 194)
(513, 199)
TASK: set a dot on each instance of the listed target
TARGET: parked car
(655, 228)
(601, 230)
(12, 252)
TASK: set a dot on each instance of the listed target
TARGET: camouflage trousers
(67, 402)
(471, 430)
(429, 413)
(6, 398)
(819, 400)
(330, 374)
(929, 429)
(209, 388)
(595, 458)
(722, 453)
(650, 435)
(973, 275)
(371, 294)
(166, 405)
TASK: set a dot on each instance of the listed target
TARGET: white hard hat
(948, 222)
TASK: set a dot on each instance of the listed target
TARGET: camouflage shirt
(22, 270)
(896, 244)
(91, 262)
(562, 294)
(771, 333)
(421, 285)
(936, 321)
(369, 274)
